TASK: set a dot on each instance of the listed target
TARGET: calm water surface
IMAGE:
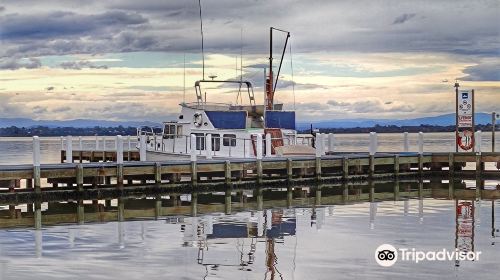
(18, 150)
(307, 233)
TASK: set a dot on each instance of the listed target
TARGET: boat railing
(221, 146)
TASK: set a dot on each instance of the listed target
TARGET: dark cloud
(2, 9)
(489, 71)
(403, 18)
(39, 110)
(59, 24)
(173, 26)
(61, 109)
(14, 63)
(78, 65)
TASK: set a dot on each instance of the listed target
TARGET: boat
(224, 130)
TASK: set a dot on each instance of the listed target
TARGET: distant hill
(78, 123)
(442, 120)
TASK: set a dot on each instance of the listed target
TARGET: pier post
(227, 203)
(260, 199)
(80, 143)
(477, 141)
(69, 149)
(406, 142)
(62, 143)
(289, 197)
(194, 204)
(142, 148)
(396, 165)
(194, 170)
(157, 173)
(103, 149)
(79, 177)
(259, 158)
(158, 207)
(289, 170)
(269, 145)
(319, 152)
(227, 172)
(36, 164)
(420, 152)
(38, 215)
(96, 142)
(372, 152)
(345, 168)
(451, 163)
(129, 148)
(208, 145)
(331, 142)
(119, 160)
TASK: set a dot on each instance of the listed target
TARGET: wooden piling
(79, 177)
(227, 172)
(289, 169)
(157, 172)
(396, 165)
(259, 159)
(345, 168)
(36, 164)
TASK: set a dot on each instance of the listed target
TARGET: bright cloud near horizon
(124, 59)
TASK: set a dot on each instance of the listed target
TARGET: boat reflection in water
(315, 232)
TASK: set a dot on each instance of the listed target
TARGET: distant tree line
(14, 131)
(398, 129)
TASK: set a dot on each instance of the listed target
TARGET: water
(326, 233)
(18, 150)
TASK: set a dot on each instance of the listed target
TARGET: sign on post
(465, 120)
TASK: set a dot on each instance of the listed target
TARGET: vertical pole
(373, 143)
(319, 153)
(372, 152)
(478, 139)
(208, 146)
(406, 142)
(79, 177)
(259, 158)
(345, 168)
(331, 142)
(493, 127)
(119, 149)
(227, 172)
(194, 170)
(420, 143)
(268, 145)
(80, 143)
(456, 115)
(289, 169)
(96, 142)
(103, 149)
(142, 148)
(396, 165)
(62, 143)
(69, 149)
(157, 173)
(119, 160)
(36, 163)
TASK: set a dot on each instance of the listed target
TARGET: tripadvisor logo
(387, 255)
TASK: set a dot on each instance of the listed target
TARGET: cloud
(487, 71)
(403, 18)
(78, 65)
(14, 63)
(2, 9)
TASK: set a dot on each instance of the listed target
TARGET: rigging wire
(202, 50)
(293, 81)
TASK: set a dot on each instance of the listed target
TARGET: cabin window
(229, 140)
(200, 141)
(215, 142)
(169, 131)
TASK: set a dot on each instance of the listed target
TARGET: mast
(202, 50)
(270, 88)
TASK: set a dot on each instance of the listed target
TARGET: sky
(137, 60)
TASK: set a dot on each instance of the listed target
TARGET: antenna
(184, 85)
(202, 50)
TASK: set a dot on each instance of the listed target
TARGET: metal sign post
(464, 132)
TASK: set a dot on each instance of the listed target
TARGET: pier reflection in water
(314, 232)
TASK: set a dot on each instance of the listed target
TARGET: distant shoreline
(45, 131)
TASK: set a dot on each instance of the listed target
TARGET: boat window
(229, 140)
(215, 142)
(169, 131)
(200, 141)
